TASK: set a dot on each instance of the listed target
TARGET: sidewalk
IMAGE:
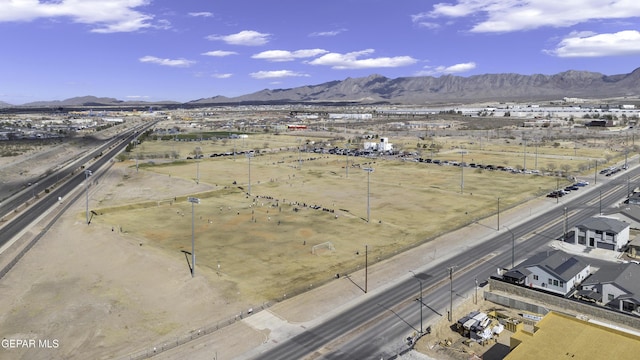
(293, 316)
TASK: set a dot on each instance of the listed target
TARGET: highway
(33, 211)
(376, 328)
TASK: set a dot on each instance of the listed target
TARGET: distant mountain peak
(417, 90)
(421, 90)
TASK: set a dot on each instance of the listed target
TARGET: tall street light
(197, 152)
(524, 155)
(462, 171)
(498, 214)
(346, 168)
(513, 246)
(600, 201)
(197, 172)
(193, 201)
(366, 267)
(87, 173)
(420, 298)
(369, 171)
(249, 157)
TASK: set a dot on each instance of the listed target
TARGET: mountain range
(420, 90)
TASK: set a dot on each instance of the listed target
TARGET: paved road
(377, 326)
(28, 215)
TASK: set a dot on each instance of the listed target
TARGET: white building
(601, 233)
(382, 145)
(553, 271)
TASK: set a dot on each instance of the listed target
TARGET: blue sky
(184, 50)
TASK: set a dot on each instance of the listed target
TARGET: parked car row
(612, 170)
(568, 189)
(480, 166)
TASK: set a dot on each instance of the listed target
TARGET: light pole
(536, 155)
(366, 267)
(524, 155)
(369, 171)
(197, 153)
(346, 168)
(462, 172)
(600, 201)
(475, 299)
(197, 172)
(87, 173)
(513, 246)
(498, 214)
(566, 225)
(420, 298)
(249, 157)
(450, 294)
(193, 201)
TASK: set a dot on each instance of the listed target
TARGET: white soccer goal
(325, 245)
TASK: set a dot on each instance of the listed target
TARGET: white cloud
(222, 76)
(137, 97)
(245, 37)
(219, 53)
(453, 69)
(516, 15)
(167, 62)
(106, 16)
(352, 60)
(327, 33)
(284, 55)
(598, 45)
(276, 74)
(201, 14)
(428, 24)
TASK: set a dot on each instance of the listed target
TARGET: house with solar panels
(553, 271)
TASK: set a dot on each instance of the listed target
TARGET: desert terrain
(121, 285)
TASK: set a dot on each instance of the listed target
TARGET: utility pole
(601, 202)
(566, 225)
(498, 228)
(419, 299)
(87, 173)
(475, 299)
(450, 315)
(513, 246)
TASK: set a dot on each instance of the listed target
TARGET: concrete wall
(563, 304)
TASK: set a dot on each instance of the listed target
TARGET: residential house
(616, 286)
(553, 271)
(600, 232)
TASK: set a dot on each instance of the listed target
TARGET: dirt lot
(113, 287)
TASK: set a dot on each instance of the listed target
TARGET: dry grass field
(123, 284)
(261, 244)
